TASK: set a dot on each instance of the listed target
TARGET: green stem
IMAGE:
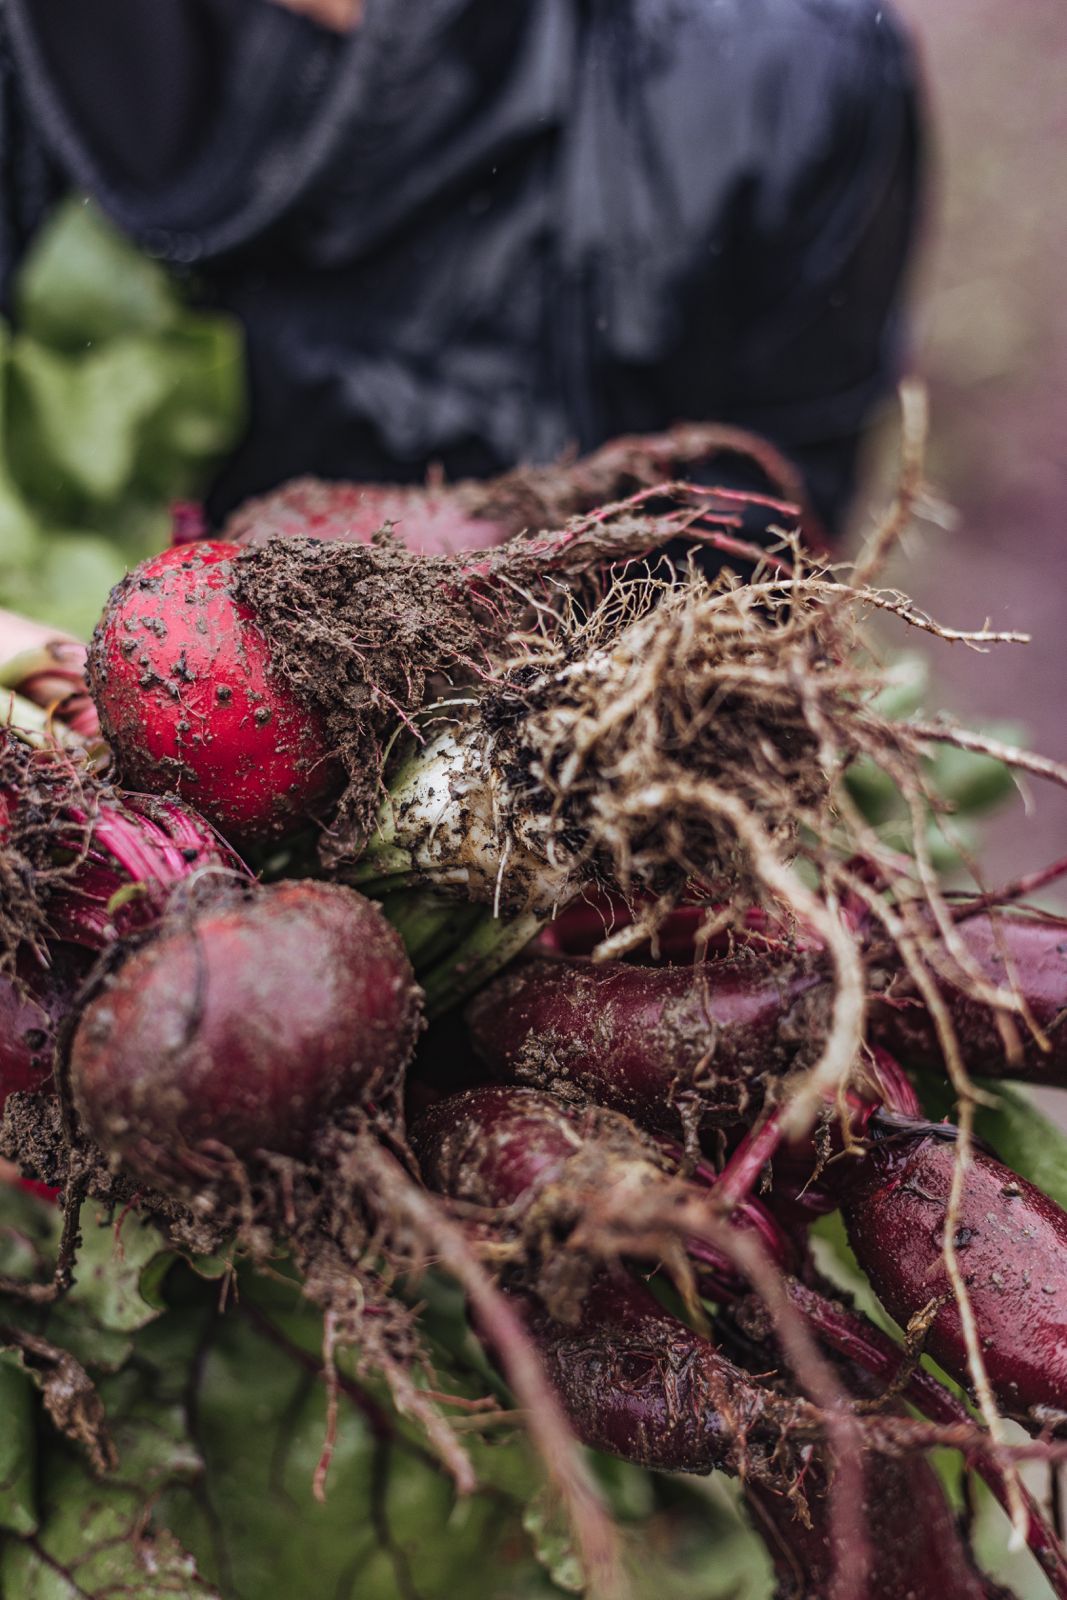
(429, 925)
(490, 945)
(36, 724)
(27, 664)
(381, 868)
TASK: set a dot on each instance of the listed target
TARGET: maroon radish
(655, 1042)
(671, 1047)
(1011, 1245)
(636, 1382)
(470, 515)
(88, 863)
(188, 697)
(516, 1148)
(1012, 948)
(917, 1548)
(34, 1001)
(240, 1028)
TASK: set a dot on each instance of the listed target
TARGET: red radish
(187, 696)
(655, 1042)
(96, 864)
(636, 1382)
(241, 1029)
(1036, 952)
(472, 515)
(137, 850)
(33, 1003)
(48, 669)
(585, 924)
(506, 1148)
(432, 521)
(1011, 1244)
(917, 1548)
(668, 1046)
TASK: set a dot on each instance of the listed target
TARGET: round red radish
(190, 702)
(242, 1030)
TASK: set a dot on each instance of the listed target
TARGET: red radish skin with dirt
(519, 1152)
(502, 1146)
(34, 1001)
(1011, 1243)
(672, 1047)
(432, 521)
(83, 862)
(188, 698)
(639, 1384)
(472, 515)
(667, 1045)
(241, 1029)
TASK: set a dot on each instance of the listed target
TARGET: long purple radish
(1011, 1244)
(670, 1046)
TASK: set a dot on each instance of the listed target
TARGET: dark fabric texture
(474, 233)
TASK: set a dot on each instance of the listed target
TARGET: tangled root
(367, 631)
(37, 788)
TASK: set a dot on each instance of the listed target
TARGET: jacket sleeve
(30, 181)
(827, 230)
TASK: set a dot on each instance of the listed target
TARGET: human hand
(340, 15)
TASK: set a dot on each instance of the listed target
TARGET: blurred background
(991, 339)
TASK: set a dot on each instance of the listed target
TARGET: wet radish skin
(496, 1146)
(191, 705)
(244, 1029)
(1011, 1242)
(918, 1552)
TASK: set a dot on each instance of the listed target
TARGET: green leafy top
(115, 398)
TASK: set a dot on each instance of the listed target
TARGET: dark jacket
(482, 231)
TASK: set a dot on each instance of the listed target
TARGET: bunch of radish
(342, 785)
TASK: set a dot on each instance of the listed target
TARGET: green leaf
(201, 412)
(114, 1264)
(18, 1449)
(546, 1526)
(18, 531)
(75, 420)
(909, 674)
(975, 783)
(83, 284)
(873, 791)
(98, 1539)
(390, 1515)
(70, 580)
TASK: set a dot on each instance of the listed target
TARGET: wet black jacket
(481, 231)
